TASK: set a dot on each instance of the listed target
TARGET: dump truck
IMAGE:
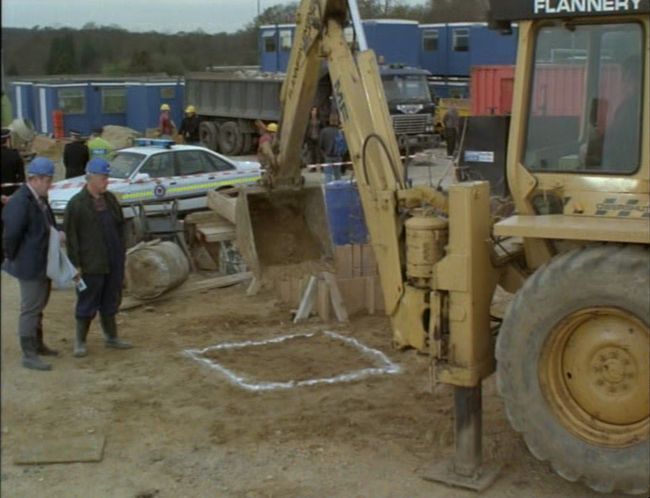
(230, 103)
(571, 354)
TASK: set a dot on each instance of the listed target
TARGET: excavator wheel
(572, 366)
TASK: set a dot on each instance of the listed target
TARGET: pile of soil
(119, 136)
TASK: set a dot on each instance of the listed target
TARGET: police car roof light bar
(154, 142)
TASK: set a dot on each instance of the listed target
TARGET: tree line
(113, 50)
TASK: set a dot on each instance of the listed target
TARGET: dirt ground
(177, 428)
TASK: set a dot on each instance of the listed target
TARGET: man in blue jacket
(27, 219)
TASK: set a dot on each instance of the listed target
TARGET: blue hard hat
(40, 166)
(98, 166)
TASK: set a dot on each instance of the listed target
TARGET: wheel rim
(594, 375)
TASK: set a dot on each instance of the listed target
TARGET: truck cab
(410, 104)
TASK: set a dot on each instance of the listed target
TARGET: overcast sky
(211, 16)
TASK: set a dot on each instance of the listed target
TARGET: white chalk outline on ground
(386, 367)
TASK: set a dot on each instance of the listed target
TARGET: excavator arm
(363, 111)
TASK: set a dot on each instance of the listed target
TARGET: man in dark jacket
(27, 220)
(12, 168)
(75, 155)
(94, 227)
(190, 126)
(12, 171)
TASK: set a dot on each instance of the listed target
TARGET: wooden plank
(245, 235)
(370, 295)
(369, 261)
(86, 448)
(336, 298)
(307, 301)
(343, 260)
(212, 233)
(357, 263)
(254, 287)
(189, 288)
(201, 217)
(203, 258)
(223, 205)
(353, 293)
(323, 304)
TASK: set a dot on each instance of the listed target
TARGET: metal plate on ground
(443, 473)
(86, 448)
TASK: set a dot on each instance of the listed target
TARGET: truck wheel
(572, 366)
(209, 135)
(247, 147)
(230, 139)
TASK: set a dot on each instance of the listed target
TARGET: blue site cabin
(393, 40)
(92, 102)
(443, 49)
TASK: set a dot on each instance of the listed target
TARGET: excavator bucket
(283, 228)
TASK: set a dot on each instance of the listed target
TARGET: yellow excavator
(571, 353)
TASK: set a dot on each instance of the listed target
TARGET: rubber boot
(41, 348)
(30, 357)
(83, 325)
(109, 326)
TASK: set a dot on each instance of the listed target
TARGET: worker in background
(12, 167)
(327, 143)
(12, 172)
(189, 129)
(75, 155)
(27, 221)
(451, 122)
(313, 133)
(165, 124)
(94, 228)
(98, 147)
(265, 154)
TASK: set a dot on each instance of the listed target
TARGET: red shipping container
(558, 90)
(491, 90)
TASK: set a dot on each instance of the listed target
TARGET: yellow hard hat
(272, 127)
(190, 109)
(164, 107)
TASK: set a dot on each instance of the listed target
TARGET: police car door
(160, 168)
(196, 176)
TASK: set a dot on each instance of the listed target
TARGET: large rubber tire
(231, 139)
(247, 147)
(611, 276)
(209, 135)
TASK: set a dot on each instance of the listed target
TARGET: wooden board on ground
(86, 448)
(337, 300)
(307, 302)
(189, 288)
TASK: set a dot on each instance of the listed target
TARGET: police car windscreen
(124, 164)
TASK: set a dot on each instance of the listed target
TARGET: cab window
(159, 165)
(584, 113)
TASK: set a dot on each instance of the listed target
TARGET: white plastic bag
(59, 268)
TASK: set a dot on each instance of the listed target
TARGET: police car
(155, 169)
